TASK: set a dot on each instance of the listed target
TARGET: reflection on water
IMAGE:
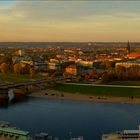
(3, 103)
(63, 118)
(13, 100)
(10, 94)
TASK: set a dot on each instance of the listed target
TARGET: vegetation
(10, 77)
(99, 90)
(4, 68)
(32, 72)
(17, 68)
(127, 83)
(122, 73)
(108, 64)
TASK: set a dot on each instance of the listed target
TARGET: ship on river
(123, 135)
(9, 132)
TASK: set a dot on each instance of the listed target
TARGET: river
(65, 118)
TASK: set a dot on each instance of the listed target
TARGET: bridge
(4, 88)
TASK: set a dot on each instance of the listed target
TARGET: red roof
(133, 55)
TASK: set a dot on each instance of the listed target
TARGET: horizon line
(69, 41)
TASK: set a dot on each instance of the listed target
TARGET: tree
(2, 59)
(17, 68)
(105, 78)
(107, 64)
(8, 59)
(112, 74)
(32, 72)
(4, 68)
(121, 72)
(128, 73)
(26, 69)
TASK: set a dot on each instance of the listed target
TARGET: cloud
(58, 20)
(70, 11)
(73, 10)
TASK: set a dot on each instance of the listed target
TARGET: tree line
(122, 73)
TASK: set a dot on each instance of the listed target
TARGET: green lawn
(127, 83)
(99, 91)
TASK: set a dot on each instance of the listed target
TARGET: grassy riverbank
(127, 83)
(99, 90)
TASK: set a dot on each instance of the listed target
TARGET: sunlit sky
(42, 20)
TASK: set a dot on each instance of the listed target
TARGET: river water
(66, 118)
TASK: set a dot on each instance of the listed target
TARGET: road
(102, 85)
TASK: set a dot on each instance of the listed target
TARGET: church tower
(128, 47)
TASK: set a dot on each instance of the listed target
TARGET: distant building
(89, 44)
(54, 61)
(127, 64)
(54, 66)
(85, 63)
(69, 51)
(128, 48)
(40, 66)
(26, 60)
(133, 55)
(71, 69)
(20, 53)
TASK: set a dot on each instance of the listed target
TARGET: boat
(9, 132)
(123, 135)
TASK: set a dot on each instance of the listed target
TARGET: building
(40, 66)
(128, 47)
(71, 69)
(20, 53)
(54, 61)
(85, 63)
(54, 66)
(25, 60)
(127, 64)
(133, 55)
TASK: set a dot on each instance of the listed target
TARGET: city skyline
(76, 21)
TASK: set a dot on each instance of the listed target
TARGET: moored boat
(123, 135)
(9, 132)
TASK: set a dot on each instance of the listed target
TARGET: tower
(128, 47)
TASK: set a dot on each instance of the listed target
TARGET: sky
(69, 20)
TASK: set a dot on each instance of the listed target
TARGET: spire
(128, 47)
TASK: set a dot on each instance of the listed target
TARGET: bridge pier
(4, 95)
(23, 89)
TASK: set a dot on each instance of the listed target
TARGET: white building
(86, 63)
(127, 64)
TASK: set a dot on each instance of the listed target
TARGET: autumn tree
(107, 64)
(105, 78)
(17, 68)
(32, 72)
(2, 59)
(4, 68)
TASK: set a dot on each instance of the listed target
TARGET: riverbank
(53, 94)
(99, 90)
